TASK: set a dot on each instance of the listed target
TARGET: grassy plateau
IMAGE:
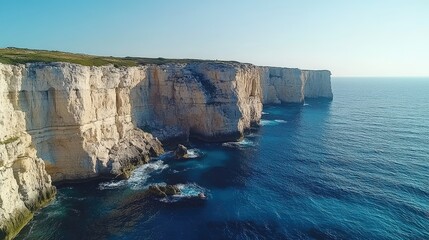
(12, 55)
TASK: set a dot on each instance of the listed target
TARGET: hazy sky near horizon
(350, 38)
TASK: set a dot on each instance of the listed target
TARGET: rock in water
(163, 191)
(201, 195)
(171, 190)
(181, 151)
(155, 190)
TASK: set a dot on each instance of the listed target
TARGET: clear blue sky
(350, 38)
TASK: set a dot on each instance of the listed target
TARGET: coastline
(85, 122)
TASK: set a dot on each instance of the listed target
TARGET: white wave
(271, 122)
(230, 144)
(140, 175)
(280, 121)
(112, 185)
(138, 178)
(165, 155)
(190, 190)
(187, 191)
(194, 153)
(267, 123)
(265, 113)
(253, 135)
(246, 142)
(306, 104)
(243, 143)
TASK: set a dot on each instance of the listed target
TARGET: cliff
(215, 101)
(209, 101)
(24, 183)
(282, 85)
(68, 121)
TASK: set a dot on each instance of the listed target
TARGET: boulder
(171, 190)
(201, 195)
(163, 191)
(181, 151)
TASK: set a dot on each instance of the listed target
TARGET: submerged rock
(181, 151)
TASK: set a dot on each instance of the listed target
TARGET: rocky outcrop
(67, 122)
(134, 149)
(161, 191)
(181, 151)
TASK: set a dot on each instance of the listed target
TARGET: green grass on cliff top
(23, 55)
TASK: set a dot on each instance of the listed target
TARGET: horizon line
(378, 76)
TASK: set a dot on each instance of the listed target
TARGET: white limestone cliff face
(317, 84)
(78, 115)
(24, 184)
(210, 101)
(67, 122)
(283, 85)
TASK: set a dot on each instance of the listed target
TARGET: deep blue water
(353, 168)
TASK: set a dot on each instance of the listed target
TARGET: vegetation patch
(22, 56)
(10, 228)
(12, 55)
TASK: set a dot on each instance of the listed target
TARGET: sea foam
(138, 177)
(265, 122)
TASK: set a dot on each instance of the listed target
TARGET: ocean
(356, 167)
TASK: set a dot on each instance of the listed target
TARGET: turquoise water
(353, 168)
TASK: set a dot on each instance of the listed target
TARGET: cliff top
(12, 55)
